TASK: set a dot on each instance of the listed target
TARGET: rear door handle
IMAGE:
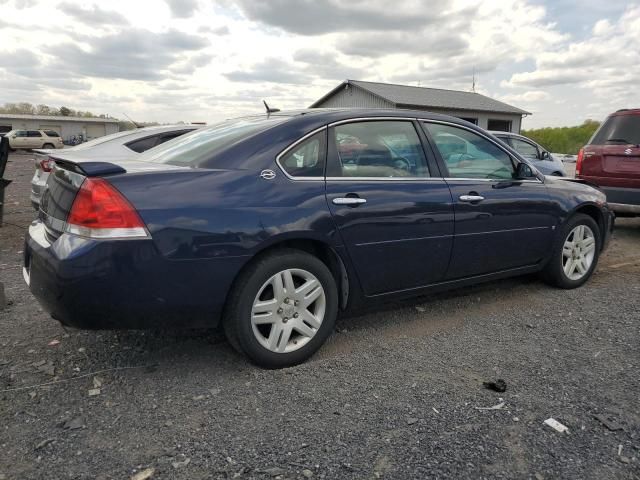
(471, 198)
(349, 201)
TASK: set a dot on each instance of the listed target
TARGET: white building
(485, 112)
(66, 126)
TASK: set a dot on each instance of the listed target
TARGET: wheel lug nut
(286, 300)
(279, 310)
(295, 315)
(296, 303)
(285, 320)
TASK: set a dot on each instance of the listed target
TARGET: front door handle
(471, 198)
(349, 201)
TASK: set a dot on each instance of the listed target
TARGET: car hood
(576, 186)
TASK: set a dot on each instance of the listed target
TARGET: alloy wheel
(578, 252)
(288, 310)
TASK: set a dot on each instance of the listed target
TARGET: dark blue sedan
(272, 225)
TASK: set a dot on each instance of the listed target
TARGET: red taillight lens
(100, 211)
(579, 161)
(46, 165)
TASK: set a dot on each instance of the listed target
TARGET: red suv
(611, 160)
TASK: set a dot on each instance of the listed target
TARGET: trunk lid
(65, 180)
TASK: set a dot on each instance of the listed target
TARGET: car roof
(114, 144)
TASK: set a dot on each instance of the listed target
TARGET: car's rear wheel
(282, 309)
(48, 145)
(575, 253)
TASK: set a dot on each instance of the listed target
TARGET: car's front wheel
(575, 253)
(282, 308)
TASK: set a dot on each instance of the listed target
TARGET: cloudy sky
(205, 60)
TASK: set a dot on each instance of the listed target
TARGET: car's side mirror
(14, 136)
(544, 155)
(524, 171)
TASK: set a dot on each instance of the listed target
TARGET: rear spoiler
(89, 169)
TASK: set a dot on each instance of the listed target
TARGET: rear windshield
(618, 129)
(196, 148)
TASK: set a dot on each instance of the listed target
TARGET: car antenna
(134, 123)
(269, 109)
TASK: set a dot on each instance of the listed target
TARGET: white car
(28, 139)
(118, 146)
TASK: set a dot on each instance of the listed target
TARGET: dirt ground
(396, 393)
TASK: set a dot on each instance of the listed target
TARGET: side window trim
(332, 153)
(441, 162)
(323, 129)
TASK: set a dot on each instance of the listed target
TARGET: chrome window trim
(372, 119)
(292, 146)
(391, 179)
(385, 179)
(481, 134)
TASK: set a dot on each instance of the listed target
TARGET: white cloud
(197, 59)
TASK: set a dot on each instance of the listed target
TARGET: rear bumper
(622, 196)
(124, 284)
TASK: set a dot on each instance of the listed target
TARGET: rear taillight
(579, 161)
(100, 211)
(46, 165)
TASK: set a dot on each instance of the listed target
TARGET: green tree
(564, 139)
(65, 112)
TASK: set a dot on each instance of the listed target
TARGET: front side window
(21, 133)
(468, 155)
(524, 148)
(307, 158)
(387, 149)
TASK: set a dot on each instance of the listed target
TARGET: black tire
(48, 145)
(557, 174)
(237, 316)
(553, 273)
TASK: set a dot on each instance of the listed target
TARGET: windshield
(618, 129)
(195, 148)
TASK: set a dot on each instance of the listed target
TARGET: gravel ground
(392, 395)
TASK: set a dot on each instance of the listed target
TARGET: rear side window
(34, 133)
(51, 133)
(143, 144)
(307, 158)
(148, 143)
(618, 129)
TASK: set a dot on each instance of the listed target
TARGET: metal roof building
(88, 127)
(485, 112)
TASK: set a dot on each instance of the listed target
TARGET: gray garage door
(95, 131)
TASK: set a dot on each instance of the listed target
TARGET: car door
(19, 139)
(34, 139)
(501, 222)
(390, 205)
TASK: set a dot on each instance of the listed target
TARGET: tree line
(563, 139)
(25, 108)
